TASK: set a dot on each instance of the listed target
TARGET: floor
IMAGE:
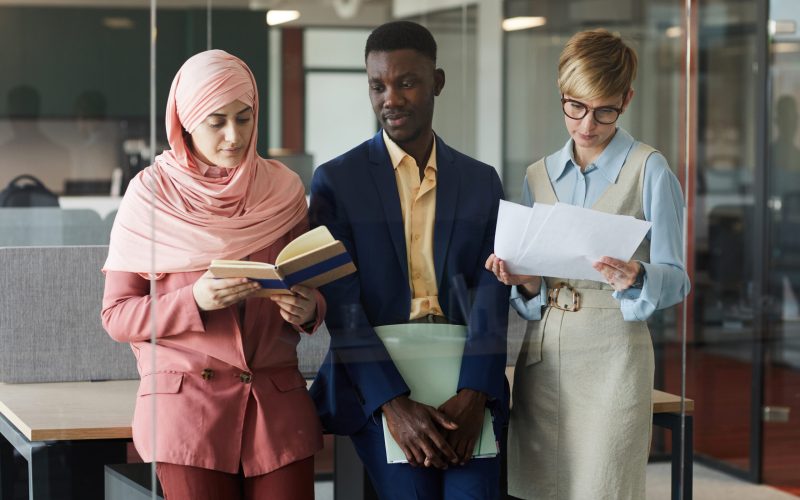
(708, 484)
(719, 380)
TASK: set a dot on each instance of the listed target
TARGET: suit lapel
(386, 185)
(447, 180)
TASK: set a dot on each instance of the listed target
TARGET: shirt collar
(609, 163)
(396, 153)
(211, 171)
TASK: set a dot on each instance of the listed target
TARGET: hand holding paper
(563, 240)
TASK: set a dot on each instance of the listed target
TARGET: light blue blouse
(665, 282)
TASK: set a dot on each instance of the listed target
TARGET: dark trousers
(478, 479)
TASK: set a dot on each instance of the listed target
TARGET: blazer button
(245, 377)
(207, 374)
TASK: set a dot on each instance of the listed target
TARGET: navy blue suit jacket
(356, 197)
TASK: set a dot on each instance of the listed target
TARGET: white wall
(488, 78)
(338, 114)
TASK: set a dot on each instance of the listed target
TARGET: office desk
(667, 414)
(66, 432)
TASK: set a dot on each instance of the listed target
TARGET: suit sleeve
(484, 362)
(126, 310)
(354, 342)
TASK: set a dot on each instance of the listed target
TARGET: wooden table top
(70, 410)
(664, 402)
(104, 410)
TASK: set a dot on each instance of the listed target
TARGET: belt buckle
(553, 294)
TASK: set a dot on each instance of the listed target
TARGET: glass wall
(781, 378)
(76, 125)
(742, 357)
(721, 356)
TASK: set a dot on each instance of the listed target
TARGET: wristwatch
(639, 281)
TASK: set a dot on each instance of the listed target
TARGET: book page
(243, 269)
(239, 264)
(312, 240)
(264, 274)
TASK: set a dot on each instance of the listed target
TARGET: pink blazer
(223, 393)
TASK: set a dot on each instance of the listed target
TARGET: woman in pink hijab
(222, 408)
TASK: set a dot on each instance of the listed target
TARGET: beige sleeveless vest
(620, 198)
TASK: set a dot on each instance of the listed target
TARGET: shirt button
(417, 275)
(417, 237)
(207, 374)
(245, 377)
(425, 303)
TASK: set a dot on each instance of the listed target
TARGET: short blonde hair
(596, 64)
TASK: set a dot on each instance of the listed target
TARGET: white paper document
(563, 240)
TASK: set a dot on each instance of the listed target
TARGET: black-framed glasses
(577, 110)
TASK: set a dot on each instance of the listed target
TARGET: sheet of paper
(514, 220)
(510, 218)
(540, 212)
(564, 240)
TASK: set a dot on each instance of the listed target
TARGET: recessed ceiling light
(523, 23)
(275, 17)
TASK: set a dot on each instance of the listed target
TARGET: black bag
(27, 191)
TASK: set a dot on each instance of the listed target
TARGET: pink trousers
(182, 482)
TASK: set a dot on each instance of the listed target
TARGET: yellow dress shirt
(418, 205)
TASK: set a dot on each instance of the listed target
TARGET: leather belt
(570, 299)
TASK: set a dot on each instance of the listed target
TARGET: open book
(312, 259)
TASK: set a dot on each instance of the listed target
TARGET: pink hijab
(198, 218)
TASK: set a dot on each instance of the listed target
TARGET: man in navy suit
(418, 219)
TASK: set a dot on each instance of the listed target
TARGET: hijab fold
(174, 218)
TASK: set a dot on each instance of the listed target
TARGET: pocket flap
(288, 380)
(160, 383)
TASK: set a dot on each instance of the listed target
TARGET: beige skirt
(582, 411)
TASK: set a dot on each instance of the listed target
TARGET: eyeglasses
(578, 110)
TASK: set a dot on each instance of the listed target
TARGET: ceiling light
(674, 32)
(118, 23)
(275, 17)
(523, 23)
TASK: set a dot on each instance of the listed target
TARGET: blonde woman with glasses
(581, 417)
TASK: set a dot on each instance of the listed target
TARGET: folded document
(428, 356)
(563, 240)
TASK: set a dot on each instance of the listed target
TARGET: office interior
(83, 88)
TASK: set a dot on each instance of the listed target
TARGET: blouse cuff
(529, 309)
(638, 304)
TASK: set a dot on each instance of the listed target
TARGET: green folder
(428, 357)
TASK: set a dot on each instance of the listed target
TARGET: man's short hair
(399, 35)
(596, 64)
